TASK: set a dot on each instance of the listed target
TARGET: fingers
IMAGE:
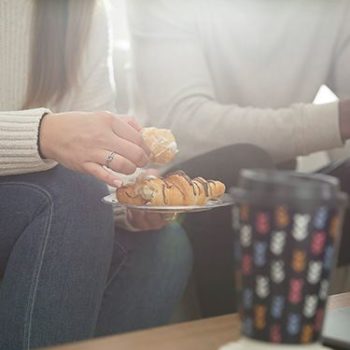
(169, 217)
(126, 131)
(133, 122)
(146, 221)
(151, 171)
(129, 132)
(155, 220)
(118, 163)
(124, 136)
(137, 219)
(128, 150)
(102, 174)
(124, 118)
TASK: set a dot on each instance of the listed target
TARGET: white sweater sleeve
(18, 142)
(340, 74)
(339, 80)
(178, 92)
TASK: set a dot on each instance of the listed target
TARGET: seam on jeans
(35, 280)
(37, 266)
(122, 248)
(36, 275)
(125, 255)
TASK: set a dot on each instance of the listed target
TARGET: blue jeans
(67, 275)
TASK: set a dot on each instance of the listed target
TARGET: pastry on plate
(175, 189)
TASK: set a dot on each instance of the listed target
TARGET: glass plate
(224, 201)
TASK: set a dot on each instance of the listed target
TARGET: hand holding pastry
(90, 142)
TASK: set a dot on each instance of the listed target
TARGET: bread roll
(161, 143)
(174, 189)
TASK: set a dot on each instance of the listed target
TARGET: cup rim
(240, 195)
(269, 185)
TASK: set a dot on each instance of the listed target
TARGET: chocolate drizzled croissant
(174, 189)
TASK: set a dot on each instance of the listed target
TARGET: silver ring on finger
(110, 158)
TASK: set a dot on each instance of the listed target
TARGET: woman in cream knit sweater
(65, 274)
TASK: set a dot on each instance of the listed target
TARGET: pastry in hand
(172, 190)
(161, 143)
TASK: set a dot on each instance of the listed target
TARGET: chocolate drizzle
(170, 184)
(186, 177)
(130, 196)
(204, 183)
(198, 188)
(164, 194)
(211, 182)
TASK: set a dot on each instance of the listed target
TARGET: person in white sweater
(246, 70)
(65, 273)
(221, 73)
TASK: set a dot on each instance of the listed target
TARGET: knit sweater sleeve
(18, 142)
(178, 92)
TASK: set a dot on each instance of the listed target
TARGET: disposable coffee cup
(287, 229)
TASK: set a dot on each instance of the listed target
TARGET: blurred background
(122, 56)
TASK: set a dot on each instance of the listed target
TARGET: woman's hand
(146, 221)
(82, 141)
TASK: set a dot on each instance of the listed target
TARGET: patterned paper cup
(287, 227)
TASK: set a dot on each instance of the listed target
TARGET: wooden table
(207, 334)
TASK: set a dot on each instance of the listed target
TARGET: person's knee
(174, 249)
(172, 259)
(65, 184)
(72, 190)
(164, 254)
(76, 199)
